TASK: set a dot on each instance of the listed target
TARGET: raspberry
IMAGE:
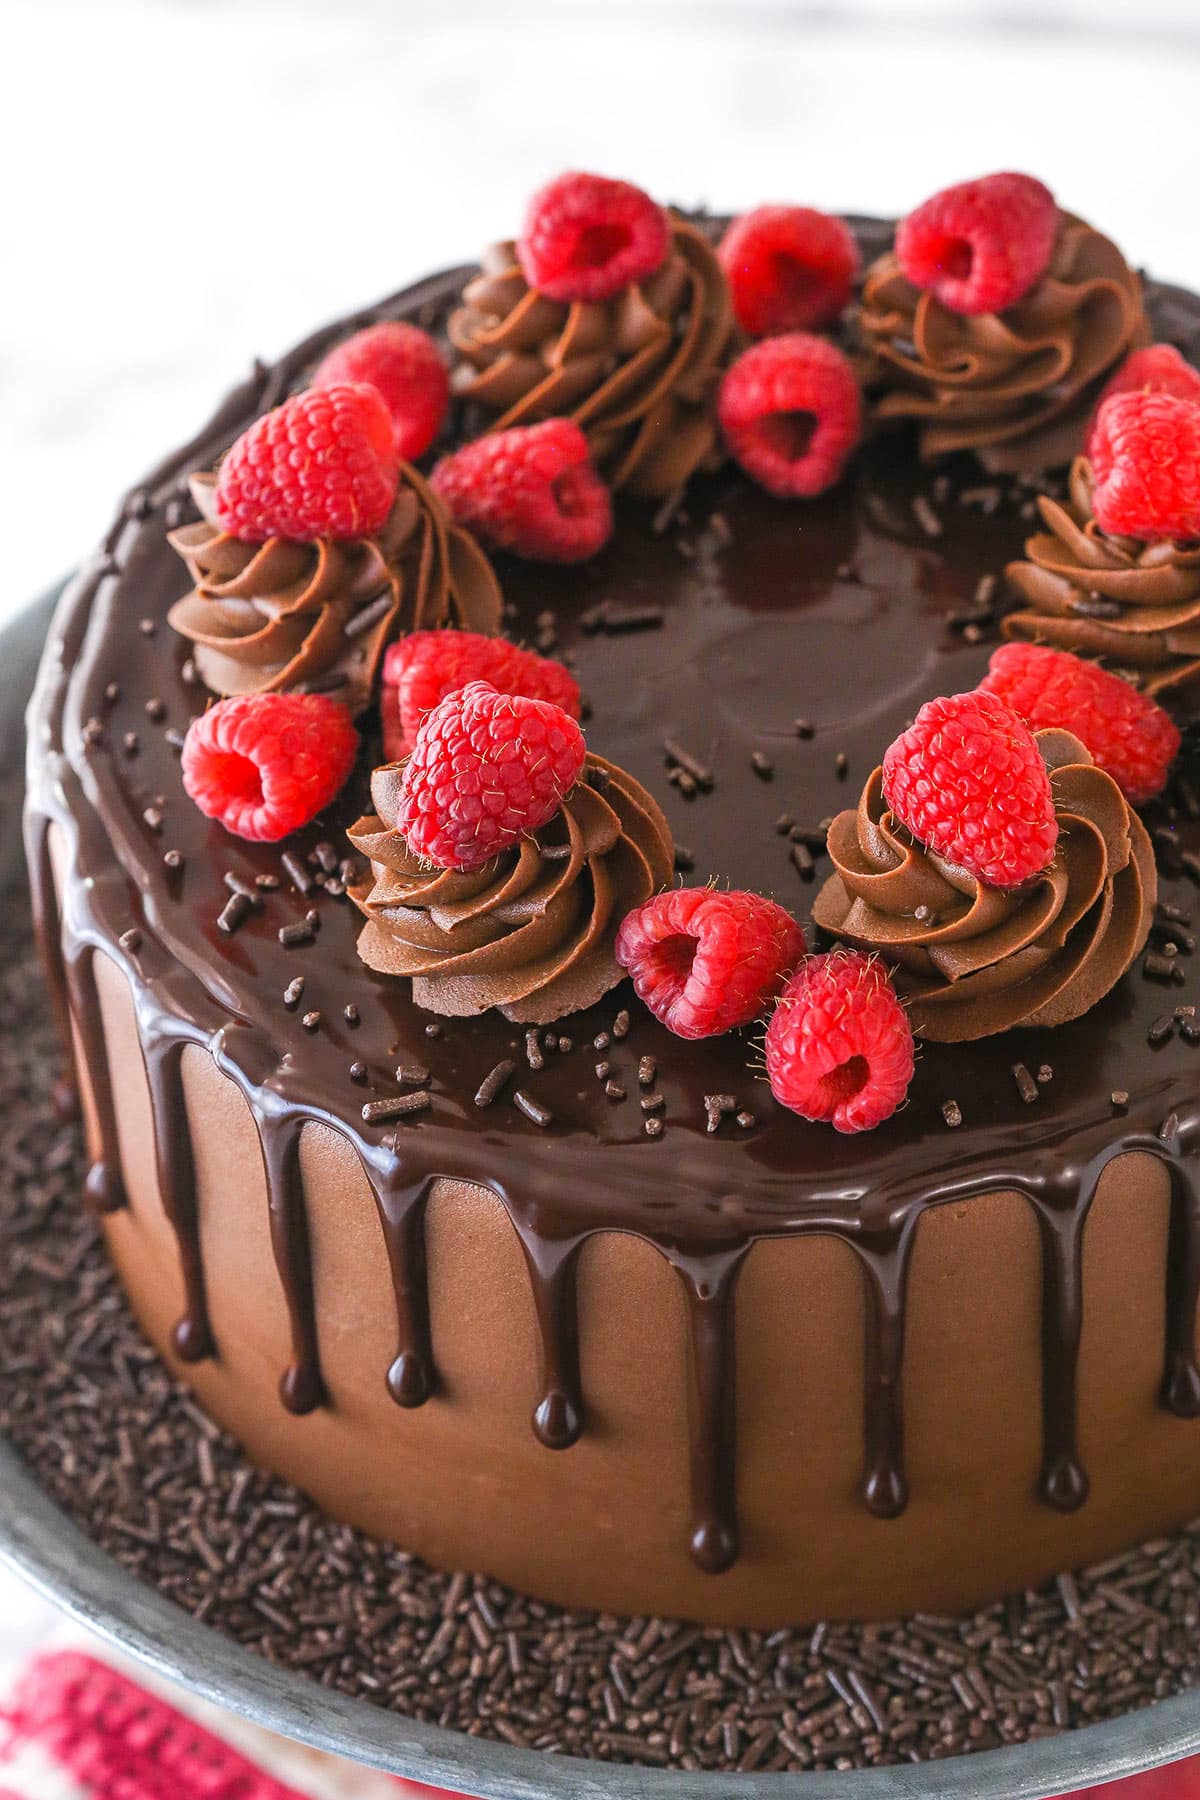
(1156, 369)
(532, 490)
(1128, 735)
(790, 268)
(704, 961)
(981, 245)
(586, 238)
(969, 782)
(791, 413)
(265, 764)
(322, 465)
(839, 1046)
(403, 364)
(424, 667)
(1145, 451)
(486, 770)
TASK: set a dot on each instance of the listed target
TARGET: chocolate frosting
(1016, 387)
(972, 960)
(1134, 604)
(638, 372)
(277, 615)
(533, 931)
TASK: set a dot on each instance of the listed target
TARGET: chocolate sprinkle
(1027, 1087)
(291, 936)
(296, 872)
(533, 1110)
(368, 616)
(378, 1112)
(234, 914)
(494, 1083)
(691, 765)
(802, 861)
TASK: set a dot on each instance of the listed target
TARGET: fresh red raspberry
(1155, 369)
(404, 365)
(970, 783)
(790, 268)
(981, 245)
(486, 770)
(533, 490)
(839, 1046)
(1145, 453)
(422, 668)
(704, 961)
(1128, 734)
(265, 764)
(586, 237)
(322, 465)
(791, 413)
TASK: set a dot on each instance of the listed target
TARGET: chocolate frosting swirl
(638, 372)
(533, 931)
(1133, 604)
(281, 615)
(972, 960)
(1016, 387)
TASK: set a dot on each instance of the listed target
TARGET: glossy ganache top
(779, 647)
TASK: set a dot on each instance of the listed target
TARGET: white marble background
(186, 182)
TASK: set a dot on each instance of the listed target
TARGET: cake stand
(44, 1546)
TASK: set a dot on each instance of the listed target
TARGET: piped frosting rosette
(637, 372)
(533, 931)
(282, 614)
(971, 960)
(1016, 387)
(1135, 605)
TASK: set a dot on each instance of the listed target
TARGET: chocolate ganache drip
(971, 959)
(1134, 604)
(638, 372)
(532, 932)
(281, 614)
(1016, 387)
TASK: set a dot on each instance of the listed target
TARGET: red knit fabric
(120, 1743)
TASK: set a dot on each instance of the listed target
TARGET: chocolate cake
(581, 1304)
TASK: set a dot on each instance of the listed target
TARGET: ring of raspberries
(487, 732)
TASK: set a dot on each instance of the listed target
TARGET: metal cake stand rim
(44, 1546)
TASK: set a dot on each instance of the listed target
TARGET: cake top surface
(773, 650)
